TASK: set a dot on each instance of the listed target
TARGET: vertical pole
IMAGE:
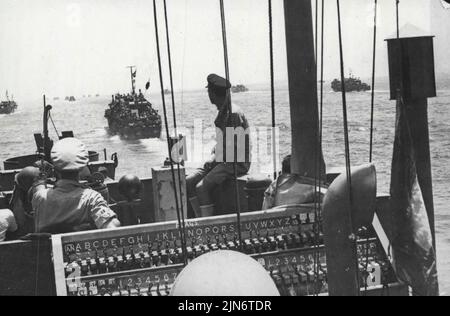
(46, 144)
(303, 89)
(133, 89)
(131, 77)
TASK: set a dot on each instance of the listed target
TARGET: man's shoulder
(39, 191)
(91, 194)
(93, 198)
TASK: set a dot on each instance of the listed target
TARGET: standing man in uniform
(69, 206)
(220, 167)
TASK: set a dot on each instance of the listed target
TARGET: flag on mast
(414, 257)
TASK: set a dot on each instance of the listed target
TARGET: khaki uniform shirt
(69, 207)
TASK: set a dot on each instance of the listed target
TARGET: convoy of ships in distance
(70, 98)
(131, 116)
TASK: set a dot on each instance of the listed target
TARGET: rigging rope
(227, 74)
(321, 95)
(373, 81)
(54, 125)
(36, 224)
(318, 158)
(398, 18)
(317, 32)
(316, 164)
(272, 91)
(346, 137)
(372, 112)
(169, 56)
(180, 228)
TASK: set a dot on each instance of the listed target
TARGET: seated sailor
(269, 195)
(21, 202)
(291, 189)
(220, 167)
(69, 206)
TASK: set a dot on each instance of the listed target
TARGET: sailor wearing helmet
(69, 206)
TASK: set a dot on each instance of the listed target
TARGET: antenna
(133, 78)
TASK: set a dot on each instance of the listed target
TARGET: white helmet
(70, 154)
(224, 273)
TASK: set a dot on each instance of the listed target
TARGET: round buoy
(224, 273)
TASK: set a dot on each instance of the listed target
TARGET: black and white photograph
(224, 153)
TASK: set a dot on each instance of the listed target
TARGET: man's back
(235, 120)
(68, 207)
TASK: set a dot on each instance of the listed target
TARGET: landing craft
(131, 116)
(239, 89)
(352, 84)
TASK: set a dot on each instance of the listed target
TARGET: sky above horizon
(78, 47)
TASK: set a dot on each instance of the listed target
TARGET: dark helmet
(26, 178)
(130, 186)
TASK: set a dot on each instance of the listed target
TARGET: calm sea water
(85, 118)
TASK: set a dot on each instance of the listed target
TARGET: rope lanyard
(347, 142)
(180, 226)
(272, 93)
(169, 55)
(372, 111)
(227, 74)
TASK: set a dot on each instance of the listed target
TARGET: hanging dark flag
(413, 252)
(134, 74)
(147, 85)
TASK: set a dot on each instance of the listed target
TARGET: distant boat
(131, 116)
(70, 99)
(55, 98)
(352, 84)
(9, 106)
(239, 88)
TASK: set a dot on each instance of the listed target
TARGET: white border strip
(58, 264)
